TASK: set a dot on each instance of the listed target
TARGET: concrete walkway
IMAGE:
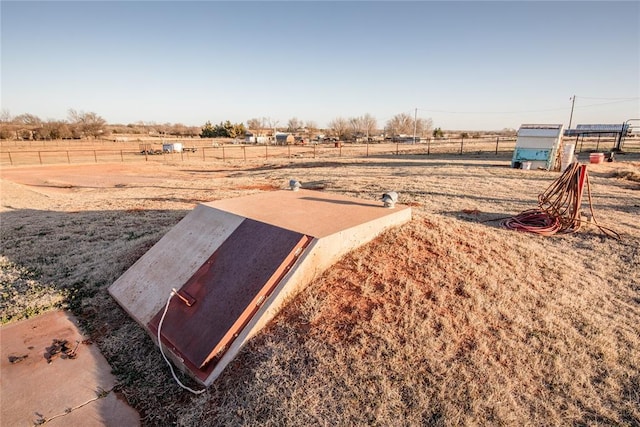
(50, 374)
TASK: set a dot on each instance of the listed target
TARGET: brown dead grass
(446, 321)
(425, 326)
(629, 175)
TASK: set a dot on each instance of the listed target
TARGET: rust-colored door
(227, 290)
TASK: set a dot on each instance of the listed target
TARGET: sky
(466, 65)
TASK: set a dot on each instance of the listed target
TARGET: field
(448, 320)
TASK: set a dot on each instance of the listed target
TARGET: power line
(621, 100)
(607, 103)
(430, 110)
(592, 97)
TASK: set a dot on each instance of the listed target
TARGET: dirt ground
(448, 320)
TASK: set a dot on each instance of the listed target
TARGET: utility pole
(415, 125)
(573, 102)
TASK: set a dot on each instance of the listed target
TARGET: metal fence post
(10, 159)
(95, 156)
(461, 144)
(40, 157)
(497, 141)
(68, 159)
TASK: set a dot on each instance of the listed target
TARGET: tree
(272, 124)
(92, 124)
(223, 130)
(369, 124)
(400, 124)
(256, 125)
(207, 131)
(237, 130)
(424, 126)
(5, 116)
(356, 126)
(404, 124)
(28, 126)
(86, 124)
(164, 128)
(294, 124)
(339, 127)
(55, 129)
(312, 128)
(7, 130)
(28, 120)
(178, 129)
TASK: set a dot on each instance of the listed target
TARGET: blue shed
(537, 144)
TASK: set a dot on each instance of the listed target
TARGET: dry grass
(22, 295)
(426, 327)
(447, 320)
(631, 172)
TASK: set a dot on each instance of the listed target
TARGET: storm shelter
(234, 263)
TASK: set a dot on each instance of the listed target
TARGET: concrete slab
(73, 391)
(313, 213)
(333, 225)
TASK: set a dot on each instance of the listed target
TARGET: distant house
(283, 138)
(250, 138)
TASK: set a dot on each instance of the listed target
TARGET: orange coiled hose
(558, 208)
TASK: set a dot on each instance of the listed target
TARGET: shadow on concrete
(339, 202)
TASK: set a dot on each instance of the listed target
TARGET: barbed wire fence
(23, 153)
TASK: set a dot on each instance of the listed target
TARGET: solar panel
(600, 128)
